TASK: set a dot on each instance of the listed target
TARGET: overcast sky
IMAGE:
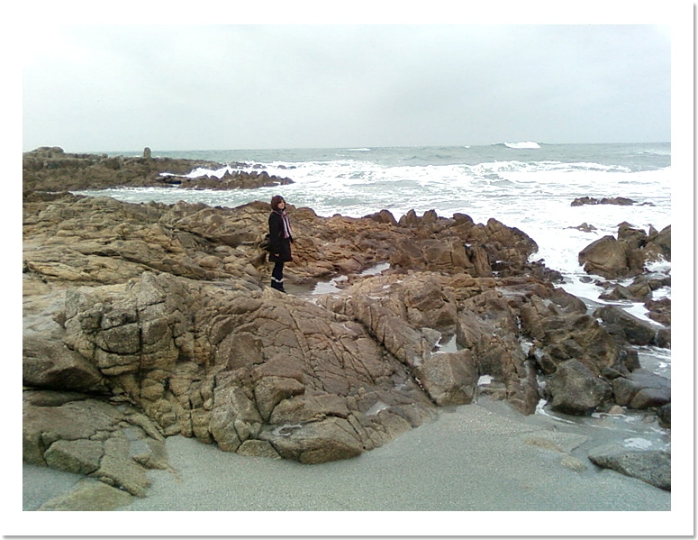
(97, 87)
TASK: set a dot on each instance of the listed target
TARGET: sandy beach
(474, 458)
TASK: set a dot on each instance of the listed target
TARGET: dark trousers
(277, 277)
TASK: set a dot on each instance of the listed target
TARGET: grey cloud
(245, 86)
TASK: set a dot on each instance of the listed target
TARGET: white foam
(522, 145)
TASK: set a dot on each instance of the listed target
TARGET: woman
(280, 239)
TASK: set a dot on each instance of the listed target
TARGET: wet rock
(562, 330)
(576, 390)
(664, 338)
(384, 216)
(487, 327)
(664, 416)
(628, 254)
(659, 310)
(605, 257)
(584, 227)
(616, 410)
(642, 389)
(621, 201)
(653, 467)
(635, 292)
(632, 329)
(658, 246)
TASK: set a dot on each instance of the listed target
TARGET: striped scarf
(286, 224)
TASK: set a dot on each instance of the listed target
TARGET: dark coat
(280, 250)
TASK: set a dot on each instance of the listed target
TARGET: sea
(525, 184)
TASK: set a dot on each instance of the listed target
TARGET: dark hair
(275, 200)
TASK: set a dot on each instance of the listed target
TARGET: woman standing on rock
(280, 239)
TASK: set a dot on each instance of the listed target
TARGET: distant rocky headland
(143, 321)
(51, 169)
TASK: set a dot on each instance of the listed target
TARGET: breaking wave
(526, 145)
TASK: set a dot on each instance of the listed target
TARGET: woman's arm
(275, 233)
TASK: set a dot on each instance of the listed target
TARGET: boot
(277, 284)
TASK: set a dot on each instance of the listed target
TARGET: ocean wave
(526, 145)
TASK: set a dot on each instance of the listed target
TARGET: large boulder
(449, 378)
(658, 246)
(575, 389)
(605, 257)
(627, 255)
(642, 389)
(329, 439)
(51, 365)
(630, 328)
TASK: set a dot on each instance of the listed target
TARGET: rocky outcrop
(157, 316)
(51, 169)
(620, 201)
(229, 365)
(628, 254)
(84, 435)
(196, 241)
